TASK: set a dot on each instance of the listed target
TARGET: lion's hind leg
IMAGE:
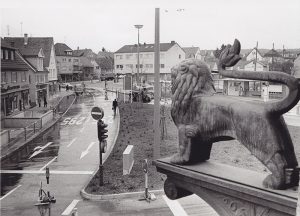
(277, 166)
(185, 134)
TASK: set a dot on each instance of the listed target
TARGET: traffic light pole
(100, 166)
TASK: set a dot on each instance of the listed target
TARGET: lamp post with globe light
(138, 54)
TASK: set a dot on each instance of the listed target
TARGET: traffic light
(102, 130)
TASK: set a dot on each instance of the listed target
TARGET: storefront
(14, 98)
(41, 91)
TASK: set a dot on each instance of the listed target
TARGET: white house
(125, 59)
(192, 52)
(252, 55)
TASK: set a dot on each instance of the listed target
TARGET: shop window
(14, 77)
(162, 65)
(23, 76)
(5, 54)
(3, 77)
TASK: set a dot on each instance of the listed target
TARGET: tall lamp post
(138, 54)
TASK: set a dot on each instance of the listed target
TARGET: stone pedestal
(228, 190)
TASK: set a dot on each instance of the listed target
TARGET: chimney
(78, 48)
(25, 39)
(172, 42)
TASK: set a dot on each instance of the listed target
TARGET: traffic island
(136, 128)
(228, 190)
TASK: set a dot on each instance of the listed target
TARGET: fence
(30, 126)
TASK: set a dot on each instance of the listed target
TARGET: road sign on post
(97, 113)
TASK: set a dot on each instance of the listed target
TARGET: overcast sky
(110, 23)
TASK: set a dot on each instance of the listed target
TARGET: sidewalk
(19, 133)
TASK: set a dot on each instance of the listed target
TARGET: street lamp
(138, 53)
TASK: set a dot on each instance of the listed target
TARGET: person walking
(59, 87)
(114, 106)
(39, 101)
(45, 101)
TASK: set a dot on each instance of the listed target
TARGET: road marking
(58, 172)
(10, 192)
(68, 210)
(84, 153)
(49, 163)
(175, 207)
(39, 149)
(72, 141)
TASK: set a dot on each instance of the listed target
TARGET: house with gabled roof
(90, 68)
(32, 49)
(192, 52)
(254, 54)
(39, 51)
(68, 65)
(17, 81)
(125, 60)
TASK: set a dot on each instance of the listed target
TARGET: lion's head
(190, 78)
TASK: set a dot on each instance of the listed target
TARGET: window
(162, 65)
(75, 60)
(23, 76)
(97, 67)
(14, 77)
(129, 66)
(141, 55)
(3, 77)
(149, 65)
(64, 59)
(2, 53)
(119, 56)
(6, 54)
(179, 56)
(70, 60)
(12, 55)
(162, 55)
(141, 66)
(128, 56)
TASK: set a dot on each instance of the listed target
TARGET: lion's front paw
(273, 182)
(177, 159)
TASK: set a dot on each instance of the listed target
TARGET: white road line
(72, 141)
(59, 172)
(85, 152)
(175, 207)
(48, 163)
(10, 192)
(69, 209)
(39, 149)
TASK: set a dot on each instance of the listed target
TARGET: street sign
(97, 113)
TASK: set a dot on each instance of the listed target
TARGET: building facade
(16, 81)
(68, 66)
(31, 48)
(125, 60)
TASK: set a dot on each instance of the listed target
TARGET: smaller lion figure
(202, 117)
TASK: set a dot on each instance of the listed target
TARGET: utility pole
(7, 30)
(21, 29)
(156, 125)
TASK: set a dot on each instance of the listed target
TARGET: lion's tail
(230, 56)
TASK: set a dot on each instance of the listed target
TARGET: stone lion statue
(203, 117)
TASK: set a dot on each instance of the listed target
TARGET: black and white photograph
(150, 108)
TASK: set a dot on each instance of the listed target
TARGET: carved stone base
(230, 191)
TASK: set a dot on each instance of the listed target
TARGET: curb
(3, 157)
(138, 194)
(83, 193)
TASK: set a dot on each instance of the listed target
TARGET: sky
(206, 24)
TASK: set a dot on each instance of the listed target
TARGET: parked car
(107, 76)
(63, 85)
(78, 89)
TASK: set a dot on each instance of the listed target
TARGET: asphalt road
(70, 150)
